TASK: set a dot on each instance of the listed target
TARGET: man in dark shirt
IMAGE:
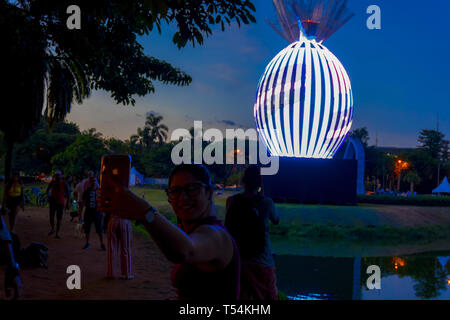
(57, 194)
(258, 277)
(91, 214)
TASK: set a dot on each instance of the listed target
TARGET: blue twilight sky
(400, 74)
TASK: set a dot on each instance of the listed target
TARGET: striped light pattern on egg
(304, 102)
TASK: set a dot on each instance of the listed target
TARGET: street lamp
(399, 167)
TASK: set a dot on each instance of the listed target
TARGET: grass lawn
(364, 222)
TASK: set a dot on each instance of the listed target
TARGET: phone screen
(118, 166)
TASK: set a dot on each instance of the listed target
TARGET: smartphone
(118, 166)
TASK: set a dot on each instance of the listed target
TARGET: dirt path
(150, 267)
(152, 270)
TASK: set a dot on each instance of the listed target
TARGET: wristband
(149, 217)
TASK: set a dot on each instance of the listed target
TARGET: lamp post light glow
(304, 100)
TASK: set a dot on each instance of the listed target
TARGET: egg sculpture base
(313, 181)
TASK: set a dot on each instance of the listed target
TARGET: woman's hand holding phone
(118, 200)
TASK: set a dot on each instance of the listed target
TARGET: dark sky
(399, 74)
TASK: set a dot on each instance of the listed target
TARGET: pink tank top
(193, 283)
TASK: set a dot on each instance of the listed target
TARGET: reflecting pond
(403, 277)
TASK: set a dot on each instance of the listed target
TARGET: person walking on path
(90, 176)
(91, 214)
(247, 219)
(78, 195)
(57, 194)
(13, 198)
(119, 247)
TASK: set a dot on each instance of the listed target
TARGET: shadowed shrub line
(426, 201)
(362, 233)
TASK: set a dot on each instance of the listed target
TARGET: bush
(379, 234)
(282, 296)
(426, 201)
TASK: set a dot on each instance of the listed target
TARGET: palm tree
(134, 142)
(93, 133)
(36, 74)
(144, 136)
(140, 139)
(157, 132)
(413, 178)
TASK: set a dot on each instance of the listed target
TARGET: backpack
(34, 256)
(245, 224)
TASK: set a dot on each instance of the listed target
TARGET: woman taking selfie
(205, 256)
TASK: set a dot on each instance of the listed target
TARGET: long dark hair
(199, 171)
(252, 178)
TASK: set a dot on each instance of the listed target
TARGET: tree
(34, 155)
(134, 144)
(220, 173)
(92, 132)
(34, 71)
(424, 165)
(45, 58)
(445, 151)
(433, 142)
(153, 132)
(235, 178)
(444, 161)
(362, 134)
(156, 162)
(412, 178)
(139, 140)
(116, 146)
(156, 130)
(400, 166)
(66, 128)
(23, 47)
(81, 156)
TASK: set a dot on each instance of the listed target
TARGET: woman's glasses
(191, 190)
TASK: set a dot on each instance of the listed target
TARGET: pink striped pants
(119, 247)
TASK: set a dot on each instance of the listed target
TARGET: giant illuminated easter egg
(304, 101)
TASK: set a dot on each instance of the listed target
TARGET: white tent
(443, 188)
(136, 178)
